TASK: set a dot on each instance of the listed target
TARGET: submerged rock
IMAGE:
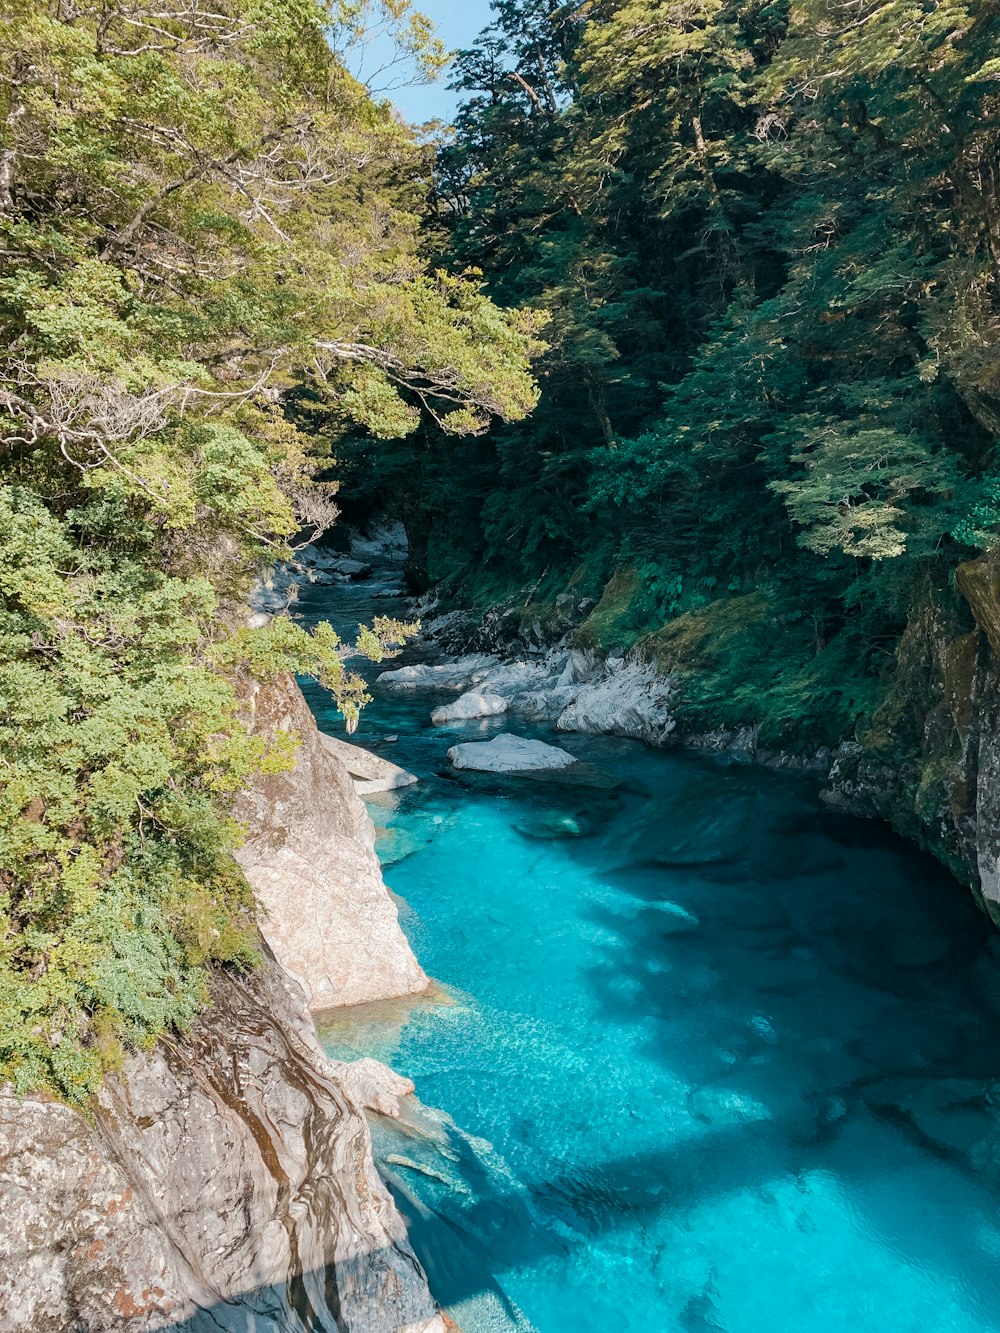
(310, 858)
(508, 754)
(472, 704)
(226, 1183)
(555, 825)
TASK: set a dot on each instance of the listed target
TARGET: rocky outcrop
(627, 699)
(310, 858)
(225, 1182)
(459, 675)
(369, 772)
(930, 761)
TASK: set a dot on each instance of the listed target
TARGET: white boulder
(470, 705)
(369, 772)
(508, 754)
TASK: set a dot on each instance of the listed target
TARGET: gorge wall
(929, 762)
(225, 1179)
(226, 1176)
(923, 753)
(310, 858)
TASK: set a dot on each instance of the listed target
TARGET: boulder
(354, 569)
(472, 704)
(509, 754)
(459, 675)
(369, 772)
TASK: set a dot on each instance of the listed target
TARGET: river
(706, 1056)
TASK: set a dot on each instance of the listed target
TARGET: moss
(627, 610)
(744, 661)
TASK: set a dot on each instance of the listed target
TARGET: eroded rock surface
(310, 858)
(226, 1184)
(628, 699)
(930, 762)
(459, 675)
(369, 772)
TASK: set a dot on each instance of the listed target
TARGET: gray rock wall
(225, 1183)
(310, 859)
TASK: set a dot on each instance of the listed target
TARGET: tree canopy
(202, 215)
(767, 241)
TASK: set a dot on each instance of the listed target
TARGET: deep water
(708, 1056)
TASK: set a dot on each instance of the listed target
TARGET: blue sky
(458, 22)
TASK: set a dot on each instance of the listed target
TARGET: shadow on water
(854, 1008)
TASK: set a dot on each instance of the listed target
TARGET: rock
(354, 569)
(272, 600)
(544, 705)
(631, 700)
(459, 675)
(373, 1086)
(369, 772)
(258, 619)
(579, 667)
(514, 678)
(554, 825)
(226, 1183)
(508, 754)
(309, 856)
(386, 540)
(472, 704)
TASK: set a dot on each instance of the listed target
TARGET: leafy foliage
(202, 215)
(768, 241)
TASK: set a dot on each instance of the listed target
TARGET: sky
(458, 22)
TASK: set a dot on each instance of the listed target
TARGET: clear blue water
(708, 1056)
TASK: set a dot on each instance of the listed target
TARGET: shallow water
(710, 1057)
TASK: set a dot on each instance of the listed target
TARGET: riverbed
(704, 1055)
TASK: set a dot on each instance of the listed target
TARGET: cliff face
(227, 1177)
(930, 763)
(310, 858)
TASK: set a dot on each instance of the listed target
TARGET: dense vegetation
(767, 237)
(764, 244)
(202, 218)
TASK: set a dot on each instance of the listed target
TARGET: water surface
(709, 1056)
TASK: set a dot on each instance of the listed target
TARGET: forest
(766, 241)
(202, 214)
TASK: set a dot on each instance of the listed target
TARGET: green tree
(201, 214)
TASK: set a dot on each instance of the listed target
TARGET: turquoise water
(709, 1057)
